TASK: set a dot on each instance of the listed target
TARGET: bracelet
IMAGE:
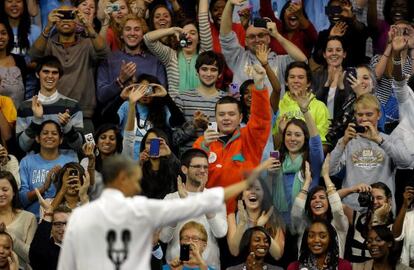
(386, 55)
(118, 81)
(330, 186)
(381, 142)
(396, 62)
(46, 36)
(304, 110)
(304, 191)
(48, 214)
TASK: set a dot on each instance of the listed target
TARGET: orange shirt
(229, 161)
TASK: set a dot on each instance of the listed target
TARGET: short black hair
(210, 58)
(147, 77)
(44, 123)
(191, 153)
(229, 100)
(50, 61)
(114, 165)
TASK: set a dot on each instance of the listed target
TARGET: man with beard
(123, 67)
(78, 55)
(195, 168)
(198, 104)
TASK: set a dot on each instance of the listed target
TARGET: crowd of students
(199, 94)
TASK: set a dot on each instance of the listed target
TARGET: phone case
(154, 148)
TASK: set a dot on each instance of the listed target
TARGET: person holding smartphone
(79, 63)
(193, 241)
(367, 156)
(120, 216)
(160, 166)
(72, 183)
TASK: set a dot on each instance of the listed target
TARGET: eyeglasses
(194, 239)
(59, 224)
(260, 35)
(199, 167)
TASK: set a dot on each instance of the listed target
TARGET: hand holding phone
(67, 14)
(184, 252)
(275, 154)
(154, 150)
(213, 126)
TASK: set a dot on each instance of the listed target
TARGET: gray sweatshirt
(366, 162)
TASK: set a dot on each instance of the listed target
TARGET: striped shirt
(384, 88)
(27, 124)
(169, 57)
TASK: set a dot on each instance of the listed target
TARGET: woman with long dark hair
(12, 67)
(159, 173)
(24, 35)
(20, 224)
(180, 62)
(161, 17)
(328, 81)
(320, 203)
(298, 141)
(72, 183)
(255, 209)
(108, 141)
(384, 254)
(24, 32)
(319, 249)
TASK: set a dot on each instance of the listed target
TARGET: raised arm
(227, 16)
(262, 54)
(236, 229)
(384, 59)
(32, 7)
(136, 92)
(39, 46)
(397, 228)
(98, 41)
(290, 48)
(303, 99)
(206, 43)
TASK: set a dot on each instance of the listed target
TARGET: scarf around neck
(187, 73)
(288, 166)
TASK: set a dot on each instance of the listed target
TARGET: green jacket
(317, 108)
